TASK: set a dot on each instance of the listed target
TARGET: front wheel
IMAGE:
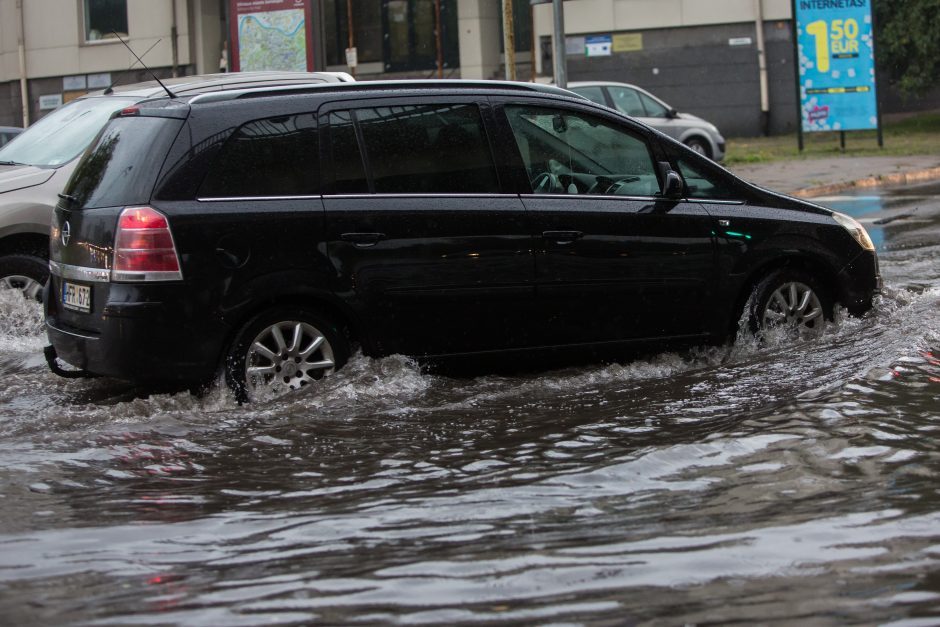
(791, 300)
(283, 350)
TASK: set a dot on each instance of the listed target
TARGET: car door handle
(362, 239)
(562, 237)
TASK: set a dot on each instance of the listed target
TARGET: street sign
(598, 45)
(271, 35)
(836, 52)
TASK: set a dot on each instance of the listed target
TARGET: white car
(35, 166)
(699, 135)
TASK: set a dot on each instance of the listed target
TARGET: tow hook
(52, 359)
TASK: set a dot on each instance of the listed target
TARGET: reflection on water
(714, 485)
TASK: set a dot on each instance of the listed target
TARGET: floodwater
(779, 483)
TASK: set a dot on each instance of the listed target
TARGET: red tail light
(144, 248)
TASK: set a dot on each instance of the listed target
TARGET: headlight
(855, 229)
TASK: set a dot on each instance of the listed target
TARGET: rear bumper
(145, 341)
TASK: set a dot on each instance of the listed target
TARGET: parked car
(265, 232)
(7, 133)
(35, 168)
(699, 135)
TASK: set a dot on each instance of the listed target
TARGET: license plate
(77, 297)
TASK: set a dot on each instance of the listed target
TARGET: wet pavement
(778, 483)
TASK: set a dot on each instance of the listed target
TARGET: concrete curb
(899, 178)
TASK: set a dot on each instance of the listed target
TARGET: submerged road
(792, 482)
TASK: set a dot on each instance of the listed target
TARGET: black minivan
(263, 232)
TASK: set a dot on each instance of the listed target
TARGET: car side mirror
(673, 185)
(672, 114)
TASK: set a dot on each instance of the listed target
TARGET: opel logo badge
(66, 233)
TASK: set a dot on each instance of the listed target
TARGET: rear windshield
(63, 134)
(121, 167)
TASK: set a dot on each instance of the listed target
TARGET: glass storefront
(400, 34)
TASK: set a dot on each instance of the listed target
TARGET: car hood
(14, 177)
(689, 116)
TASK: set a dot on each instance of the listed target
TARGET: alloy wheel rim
(796, 306)
(287, 356)
(31, 288)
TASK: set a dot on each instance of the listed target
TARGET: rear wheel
(25, 273)
(792, 300)
(283, 350)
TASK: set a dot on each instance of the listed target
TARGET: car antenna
(110, 88)
(168, 92)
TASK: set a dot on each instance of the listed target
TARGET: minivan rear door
(426, 246)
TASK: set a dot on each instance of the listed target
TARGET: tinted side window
(573, 153)
(705, 182)
(271, 157)
(427, 149)
(349, 174)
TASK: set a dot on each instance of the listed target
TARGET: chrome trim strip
(716, 202)
(595, 197)
(80, 273)
(141, 277)
(72, 333)
(346, 196)
(243, 198)
(416, 195)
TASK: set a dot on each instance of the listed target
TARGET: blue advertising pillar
(835, 53)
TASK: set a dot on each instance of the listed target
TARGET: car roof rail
(387, 85)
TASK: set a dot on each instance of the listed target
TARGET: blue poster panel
(837, 65)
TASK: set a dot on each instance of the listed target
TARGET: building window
(367, 24)
(410, 37)
(104, 18)
(398, 33)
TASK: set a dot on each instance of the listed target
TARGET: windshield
(63, 134)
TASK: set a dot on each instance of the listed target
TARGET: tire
(790, 298)
(26, 273)
(267, 357)
(699, 145)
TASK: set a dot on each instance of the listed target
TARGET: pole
(762, 66)
(509, 41)
(352, 36)
(532, 42)
(21, 46)
(439, 38)
(174, 43)
(560, 62)
(796, 74)
(874, 43)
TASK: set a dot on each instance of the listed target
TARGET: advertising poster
(836, 65)
(271, 35)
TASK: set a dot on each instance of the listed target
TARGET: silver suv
(35, 166)
(701, 136)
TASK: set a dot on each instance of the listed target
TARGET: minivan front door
(615, 261)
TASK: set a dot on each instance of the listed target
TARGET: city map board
(271, 35)
(836, 65)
